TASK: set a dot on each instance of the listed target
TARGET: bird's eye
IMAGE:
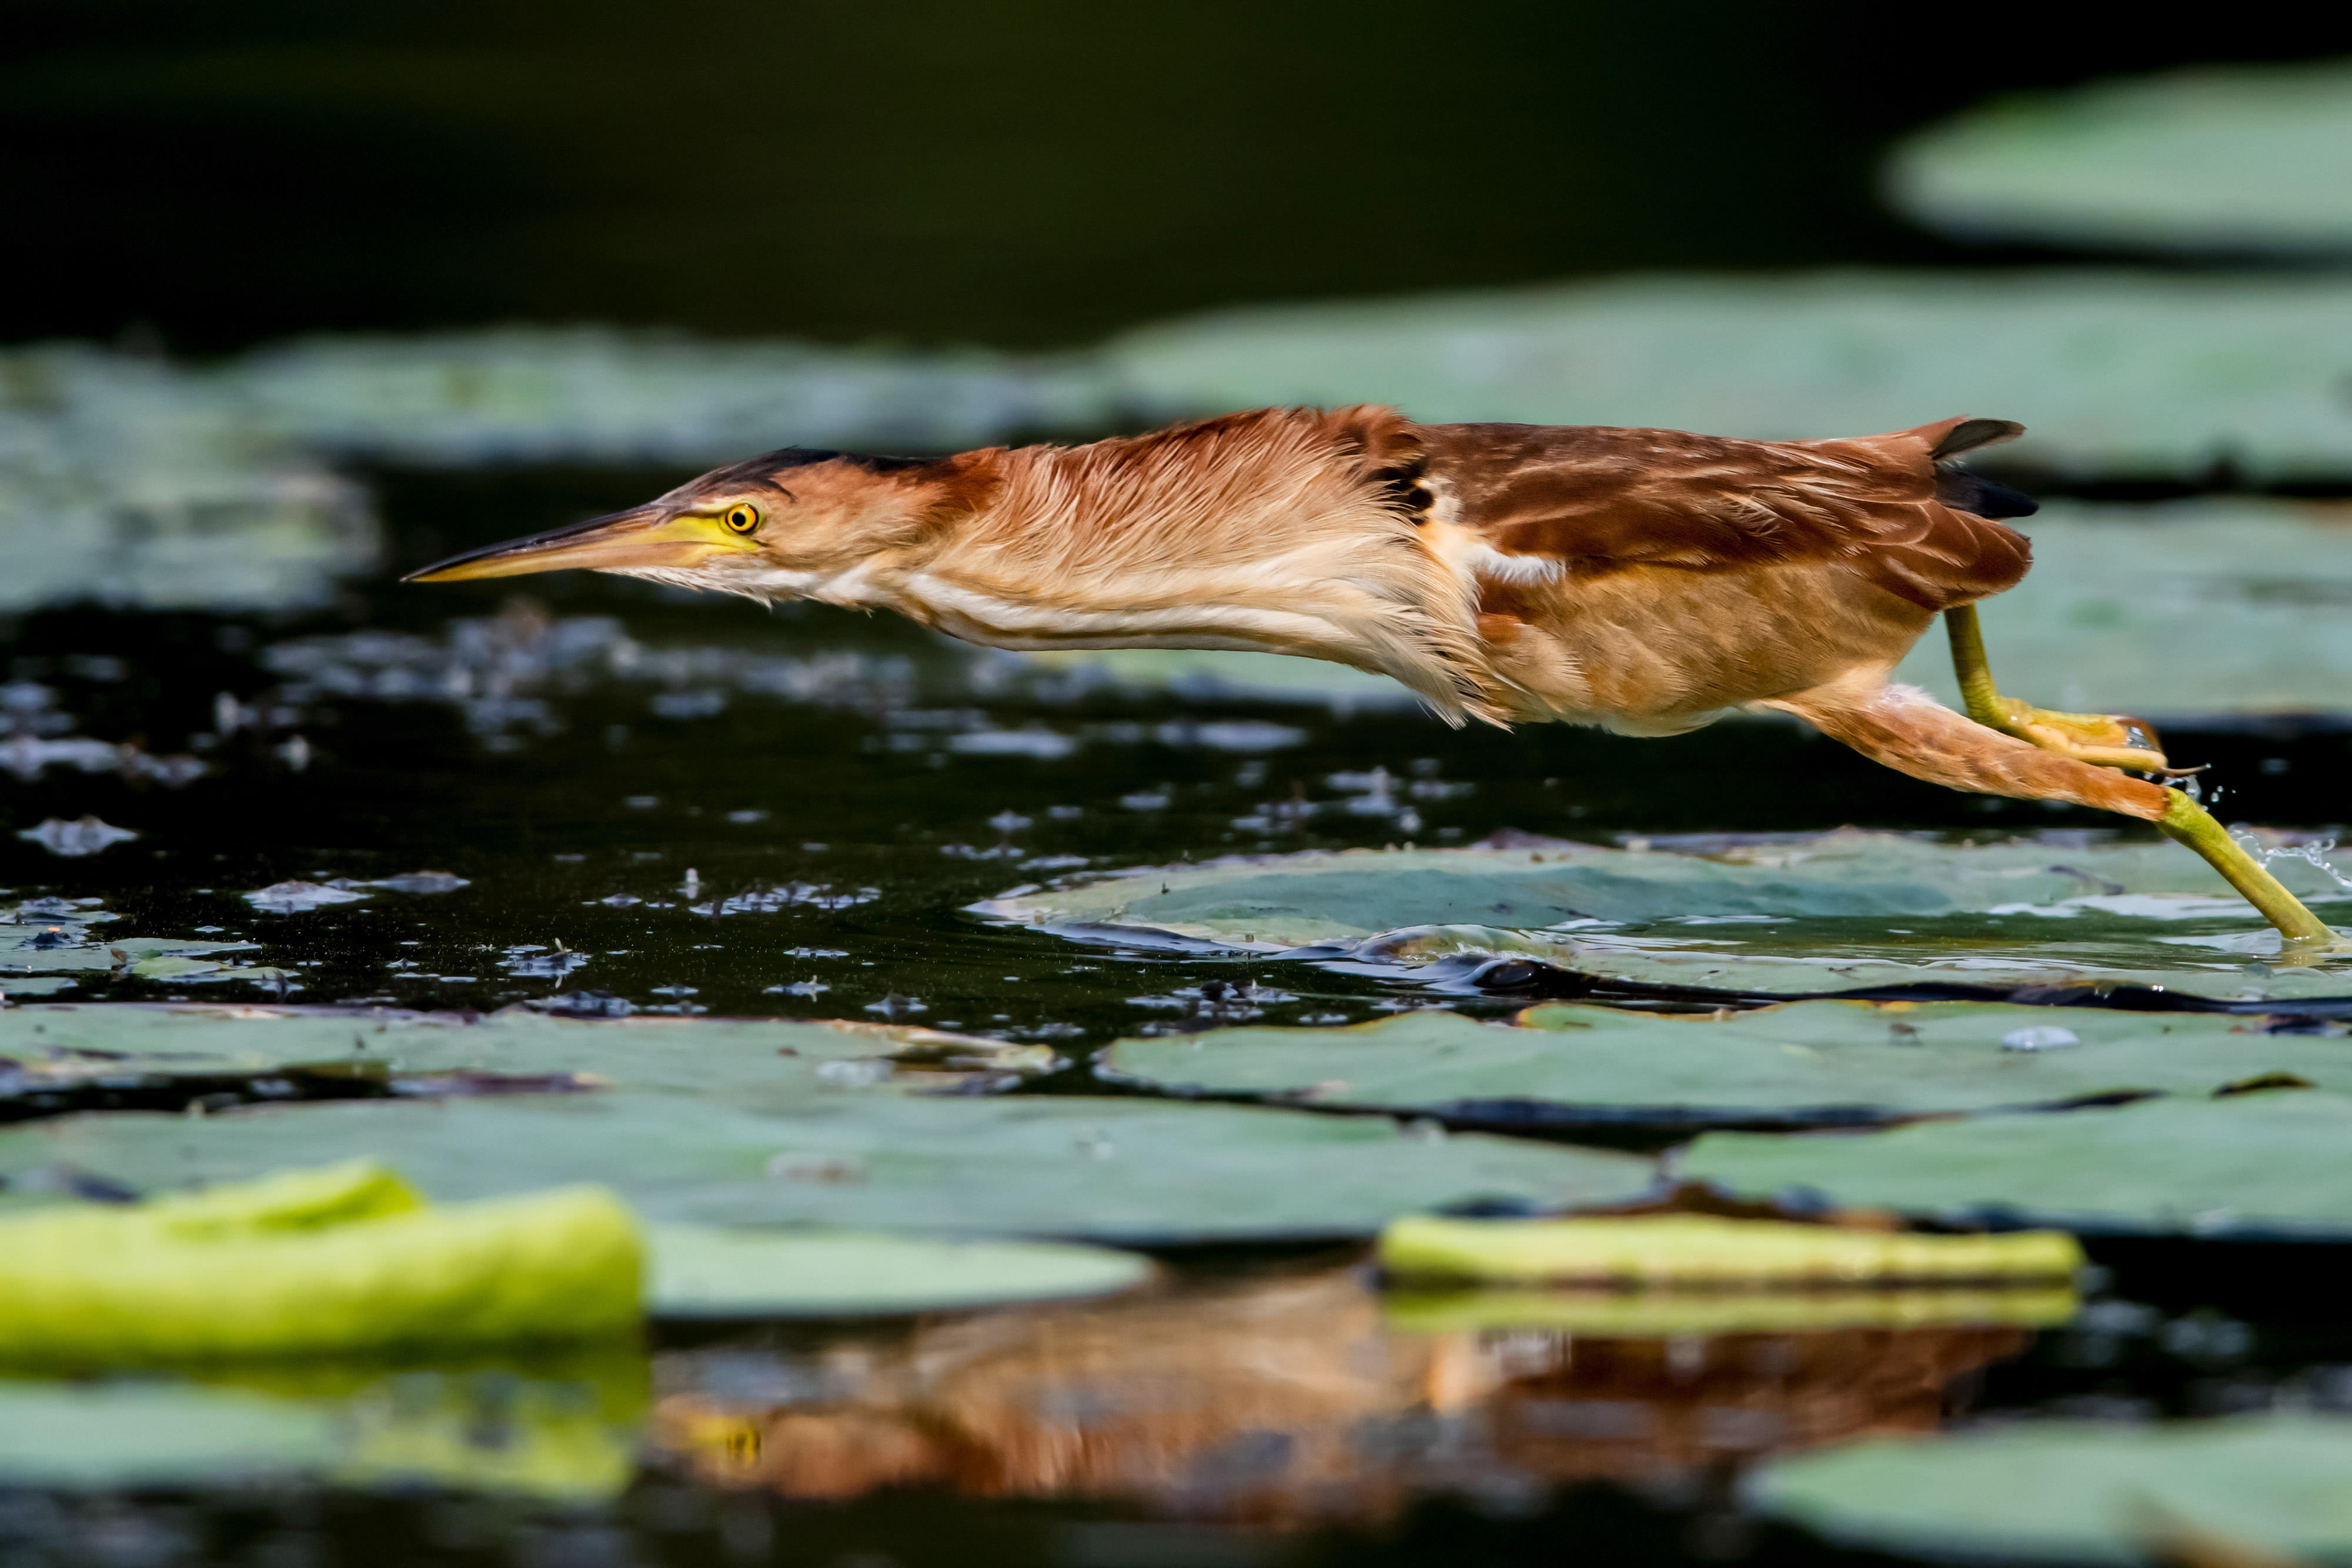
(742, 520)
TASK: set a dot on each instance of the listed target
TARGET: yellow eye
(742, 519)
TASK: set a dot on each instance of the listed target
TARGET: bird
(1644, 581)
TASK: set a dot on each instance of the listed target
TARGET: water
(696, 806)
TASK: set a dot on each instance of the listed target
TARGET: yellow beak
(625, 540)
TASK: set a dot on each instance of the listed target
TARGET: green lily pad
(2079, 1491)
(2254, 1165)
(2113, 371)
(1808, 1062)
(1125, 1170)
(153, 1435)
(57, 1047)
(22, 986)
(706, 1271)
(2200, 610)
(83, 951)
(562, 1428)
(2243, 158)
(1796, 913)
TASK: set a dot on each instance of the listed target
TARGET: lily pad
(56, 1047)
(2234, 159)
(149, 1435)
(22, 986)
(2114, 372)
(1805, 1063)
(61, 949)
(1774, 913)
(1122, 1170)
(1698, 1314)
(707, 1271)
(2252, 1166)
(2202, 612)
(562, 1427)
(2079, 1491)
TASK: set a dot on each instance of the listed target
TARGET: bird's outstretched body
(1645, 581)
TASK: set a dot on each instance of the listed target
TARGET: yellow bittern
(1645, 581)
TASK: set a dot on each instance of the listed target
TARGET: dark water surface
(694, 805)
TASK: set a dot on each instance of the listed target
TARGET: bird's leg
(2109, 740)
(1912, 733)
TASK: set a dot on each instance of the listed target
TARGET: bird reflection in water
(1305, 1399)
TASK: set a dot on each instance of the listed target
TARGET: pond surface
(602, 797)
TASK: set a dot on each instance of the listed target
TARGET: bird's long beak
(647, 537)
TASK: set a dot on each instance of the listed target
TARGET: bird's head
(784, 524)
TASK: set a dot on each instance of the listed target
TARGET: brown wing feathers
(1599, 500)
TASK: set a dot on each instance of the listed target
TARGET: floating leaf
(85, 835)
(336, 1260)
(2228, 159)
(1703, 1250)
(2079, 1491)
(147, 1434)
(1697, 1314)
(2134, 372)
(2267, 1164)
(1772, 913)
(1056, 1166)
(1806, 1062)
(706, 1271)
(296, 896)
(58, 1049)
(552, 1425)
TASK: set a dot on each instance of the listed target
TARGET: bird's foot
(2103, 740)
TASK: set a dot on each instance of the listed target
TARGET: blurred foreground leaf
(2078, 1491)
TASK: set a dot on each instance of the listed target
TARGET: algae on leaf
(2078, 1491)
(2266, 1166)
(1120, 1170)
(1805, 1062)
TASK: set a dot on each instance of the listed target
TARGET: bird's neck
(1263, 533)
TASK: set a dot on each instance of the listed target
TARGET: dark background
(1021, 173)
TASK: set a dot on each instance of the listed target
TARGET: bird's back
(1650, 578)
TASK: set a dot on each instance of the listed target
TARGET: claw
(2106, 740)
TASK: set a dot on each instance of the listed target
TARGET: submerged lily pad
(2079, 1491)
(1776, 914)
(1054, 1166)
(1809, 1063)
(56, 1047)
(707, 1271)
(2252, 1166)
